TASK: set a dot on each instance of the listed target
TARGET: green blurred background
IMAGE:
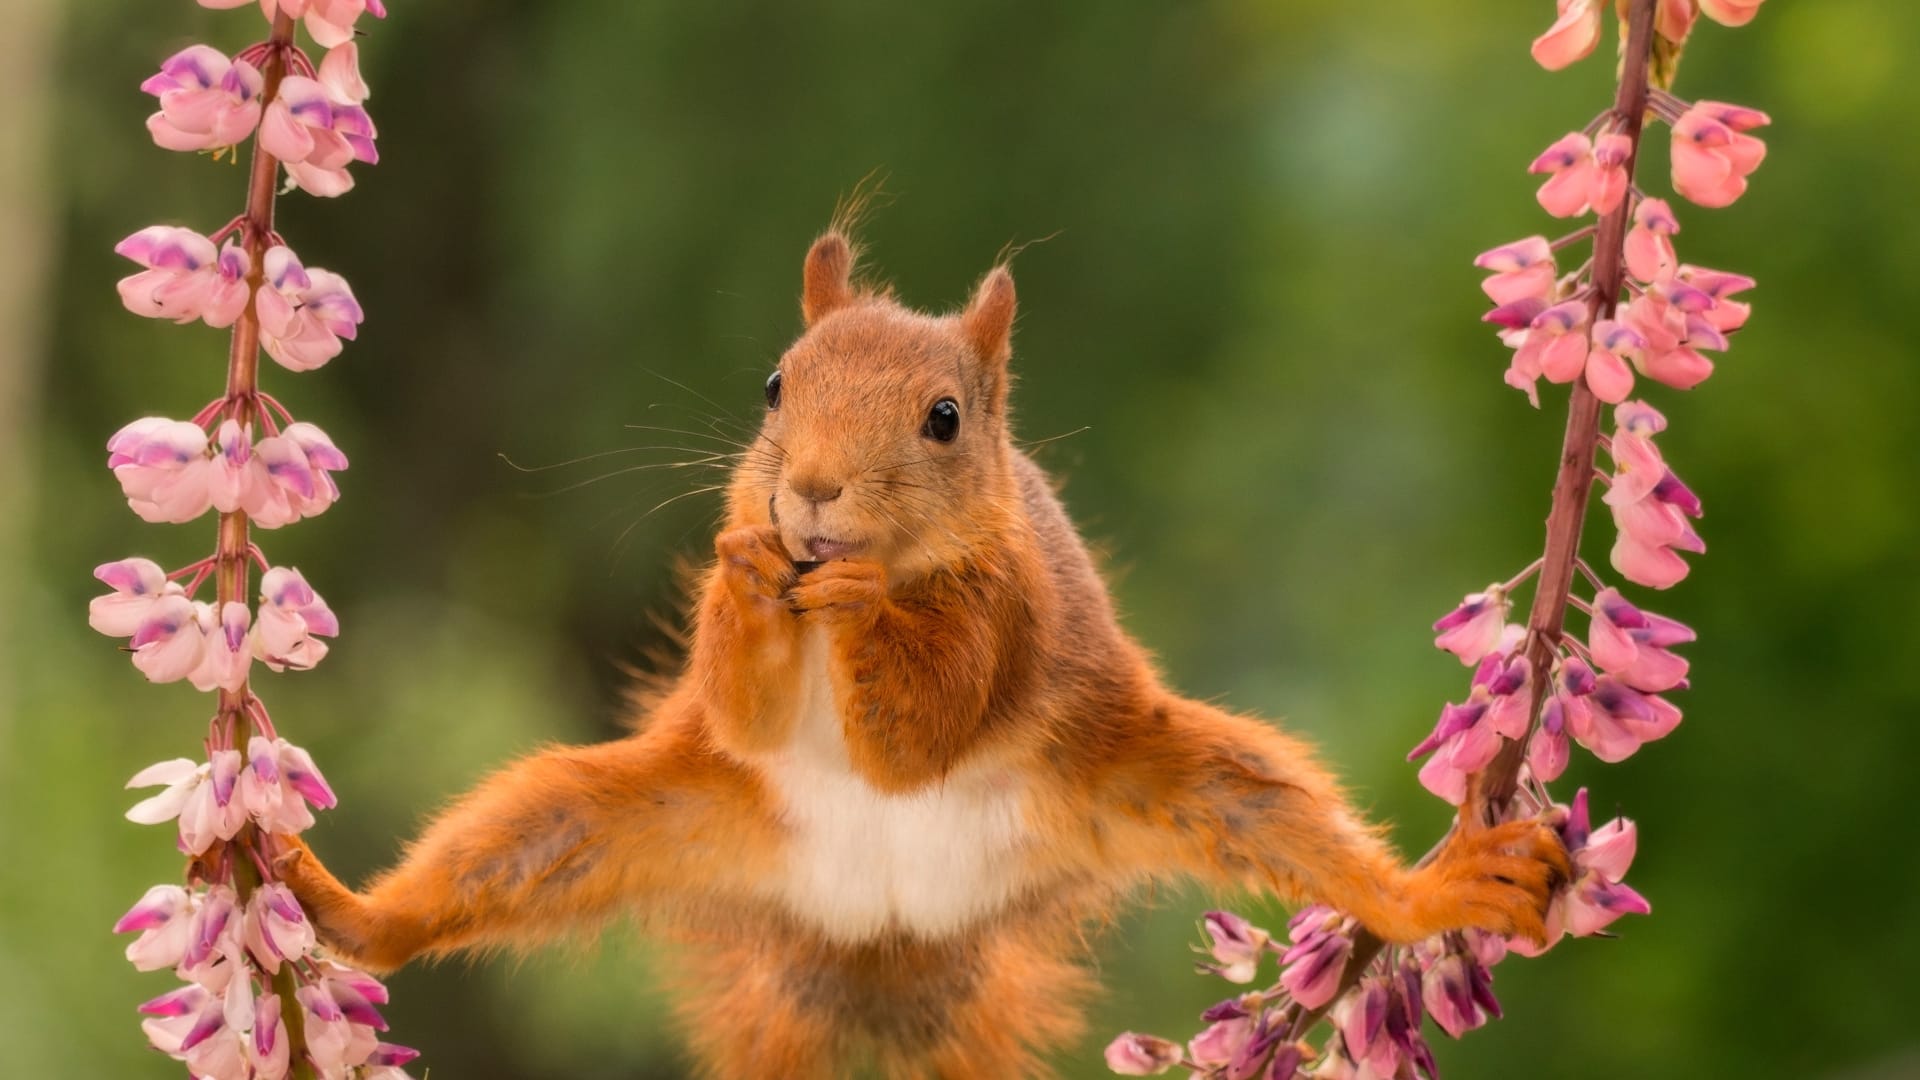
(1258, 306)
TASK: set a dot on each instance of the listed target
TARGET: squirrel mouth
(822, 549)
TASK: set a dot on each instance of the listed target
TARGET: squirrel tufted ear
(988, 320)
(827, 280)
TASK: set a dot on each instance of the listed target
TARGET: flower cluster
(1632, 310)
(260, 999)
(227, 1019)
(176, 470)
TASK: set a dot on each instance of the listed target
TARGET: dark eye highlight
(943, 421)
(773, 390)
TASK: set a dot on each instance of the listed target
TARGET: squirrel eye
(773, 390)
(943, 421)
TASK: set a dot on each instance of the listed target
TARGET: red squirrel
(911, 754)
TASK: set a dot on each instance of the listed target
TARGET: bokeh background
(1255, 316)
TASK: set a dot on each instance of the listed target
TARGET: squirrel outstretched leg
(547, 843)
(1232, 802)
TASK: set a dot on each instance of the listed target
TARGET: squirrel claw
(840, 590)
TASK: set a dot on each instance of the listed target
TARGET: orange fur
(975, 673)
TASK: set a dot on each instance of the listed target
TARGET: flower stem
(1574, 485)
(234, 549)
(234, 545)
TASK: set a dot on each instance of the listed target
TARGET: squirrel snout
(816, 488)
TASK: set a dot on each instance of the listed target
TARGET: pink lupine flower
(303, 313)
(340, 1019)
(1458, 994)
(214, 940)
(340, 74)
(292, 619)
(162, 467)
(1571, 37)
(185, 278)
(1361, 1019)
(1712, 155)
(1613, 346)
(1317, 957)
(207, 102)
(329, 22)
(170, 642)
(225, 656)
(1673, 19)
(1521, 270)
(1673, 335)
(1469, 735)
(1649, 246)
(199, 795)
(1555, 346)
(295, 481)
(1224, 1038)
(1551, 745)
(1474, 629)
(280, 780)
(1567, 192)
(1586, 175)
(316, 135)
(1236, 944)
(182, 1023)
(1134, 1054)
(1618, 719)
(164, 918)
(276, 929)
(1652, 530)
(1633, 645)
(390, 1056)
(230, 466)
(1730, 12)
(1722, 314)
(137, 584)
(267, 1046)
(1596, 897)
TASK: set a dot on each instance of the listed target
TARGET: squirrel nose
(815, 488)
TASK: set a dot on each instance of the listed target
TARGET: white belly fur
(861, 862)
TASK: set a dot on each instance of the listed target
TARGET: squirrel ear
(826, 283)
(988, 320)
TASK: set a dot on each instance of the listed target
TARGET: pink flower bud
(1314, 967)
(1133, 1054)
(1236, 943)
(1570, 190)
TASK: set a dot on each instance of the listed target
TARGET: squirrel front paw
(1497, 879)
(755, 566)
(843, 592)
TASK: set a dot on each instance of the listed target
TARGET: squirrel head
(886, 429)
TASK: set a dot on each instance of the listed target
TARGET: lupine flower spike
(1632, 318)
(255, 1002)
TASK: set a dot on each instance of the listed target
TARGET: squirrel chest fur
(912, 754)
(860, 861)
